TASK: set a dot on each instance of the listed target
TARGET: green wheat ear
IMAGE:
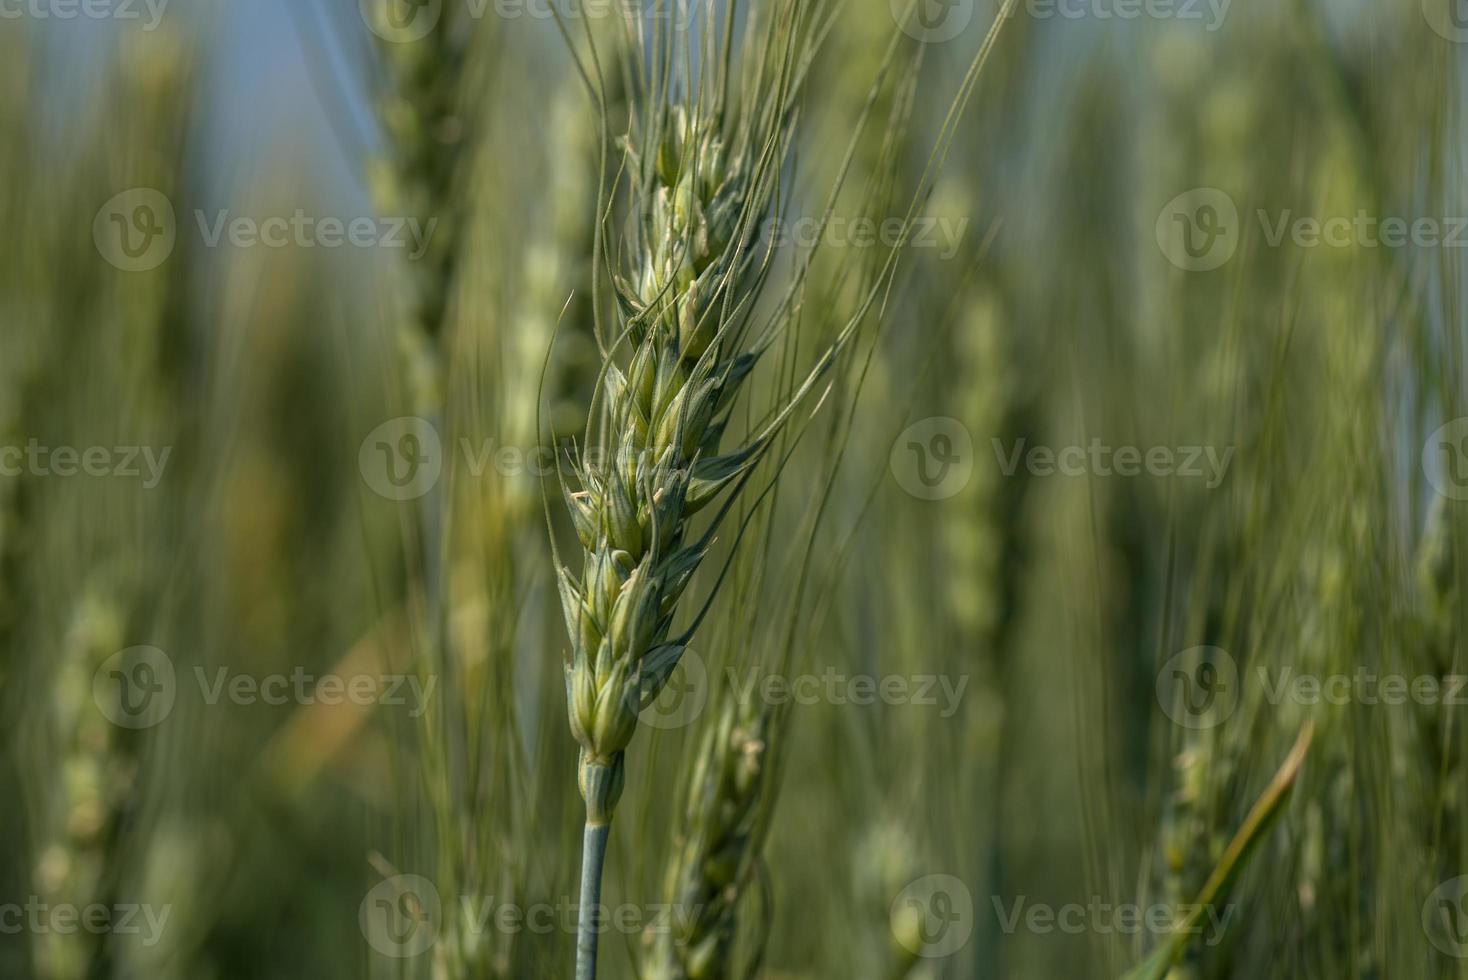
(718, 846)
(702, 187)
(704, 163)
(1255, 827)
(665, 418)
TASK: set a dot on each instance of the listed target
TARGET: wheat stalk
(705, 178)
(704, 181)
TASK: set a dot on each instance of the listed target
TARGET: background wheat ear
(715, 859)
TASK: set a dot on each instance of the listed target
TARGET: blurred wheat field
(687, 489)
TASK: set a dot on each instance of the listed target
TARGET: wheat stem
(588, 925)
